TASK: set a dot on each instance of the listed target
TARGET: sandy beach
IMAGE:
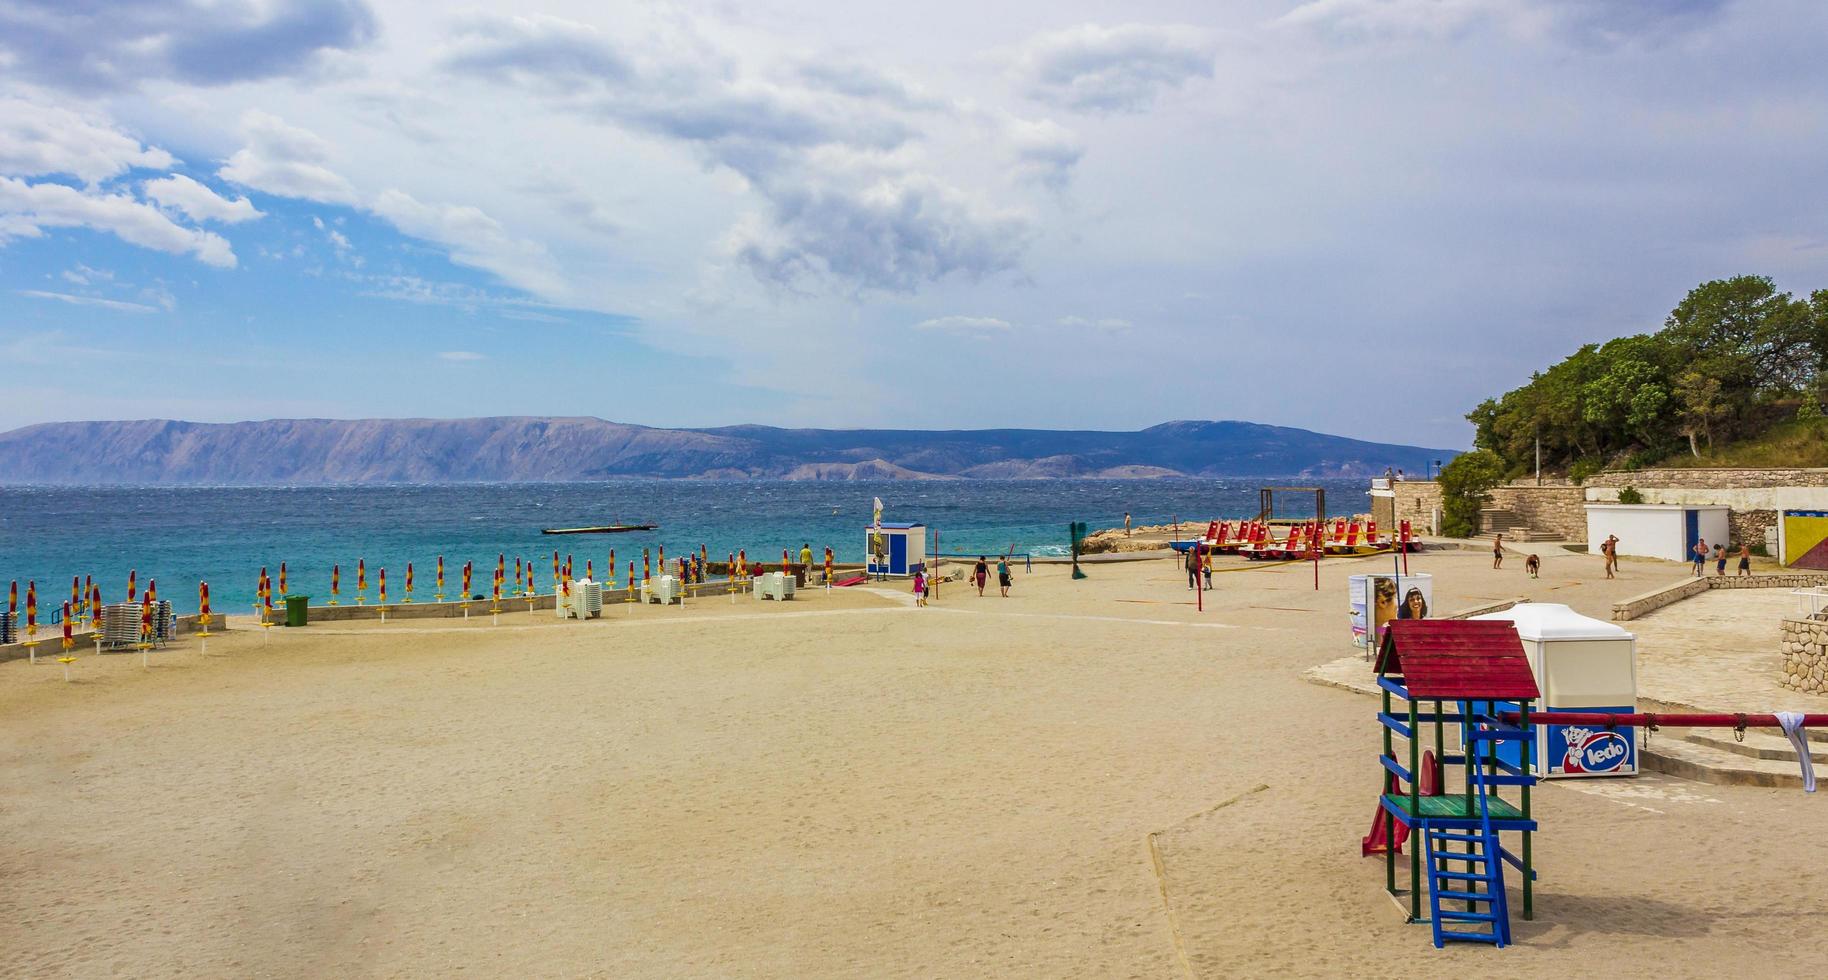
(1086, 779)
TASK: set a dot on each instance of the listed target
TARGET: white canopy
(1554, 621)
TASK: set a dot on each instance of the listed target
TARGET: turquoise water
(224, 535)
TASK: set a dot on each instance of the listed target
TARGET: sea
(225, 536)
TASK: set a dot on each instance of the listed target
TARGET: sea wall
(50, 640)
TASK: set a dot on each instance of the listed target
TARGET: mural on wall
(1805, 535)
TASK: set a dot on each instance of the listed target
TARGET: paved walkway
(1715, 652)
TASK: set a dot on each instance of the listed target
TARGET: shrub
(1464, 481)
(1583, 469)
(1630, 495)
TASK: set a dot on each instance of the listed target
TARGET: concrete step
(1757, 744)
(1687, 759)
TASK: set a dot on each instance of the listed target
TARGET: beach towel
(1792, 724)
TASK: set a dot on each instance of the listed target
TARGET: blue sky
(1358, 216)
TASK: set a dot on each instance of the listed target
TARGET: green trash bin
(297, 609)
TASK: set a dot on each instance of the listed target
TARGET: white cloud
(848, 201)
(101, 45)
(1045, 151)
(38, 140)
(27, 209)
(1577, 22)
(107, 304)
(1125, 68)
(83, 275)
(460, 355)
(474, 239)
(198, 202)
(978, 325)
(286, 161)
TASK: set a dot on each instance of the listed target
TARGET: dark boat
(601, 529)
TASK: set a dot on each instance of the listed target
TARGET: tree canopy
(1735, 356)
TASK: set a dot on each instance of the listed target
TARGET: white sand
(838, 786)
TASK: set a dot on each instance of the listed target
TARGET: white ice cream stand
(1581, 664)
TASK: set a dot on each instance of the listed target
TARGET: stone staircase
(1498, 520)
(1710, 756)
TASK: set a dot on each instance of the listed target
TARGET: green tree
(1699, 406)
(1761, 337)
(1464, 482)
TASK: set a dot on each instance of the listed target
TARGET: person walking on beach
(980, 573)
(1700, 555)
(1498, 550)
(920, 587)
(1719, 560)
(1206, 570)
(1126, 523)
(1745, 558)
(1609, 549)
(1193, 567)
(806, 558)
(1003, 575)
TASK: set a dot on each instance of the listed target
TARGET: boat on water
(601, 529)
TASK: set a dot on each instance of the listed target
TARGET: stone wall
(1712, 478)
(1414, 501)
(1558, 510)
(1805, 648)
(1657, 598)
(1555, 508)
(1744, 490)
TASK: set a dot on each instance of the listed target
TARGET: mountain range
(540, 449)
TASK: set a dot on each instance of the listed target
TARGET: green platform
(1452, 807)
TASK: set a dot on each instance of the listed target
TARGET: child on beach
(1533, 566)
(1498, 550)
(920, 588)
(1745, 558)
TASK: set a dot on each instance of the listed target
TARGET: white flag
(878, 512)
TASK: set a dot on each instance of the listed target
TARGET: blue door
(1691, 531)
(898, 554)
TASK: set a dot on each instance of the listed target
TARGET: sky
(1355, 216)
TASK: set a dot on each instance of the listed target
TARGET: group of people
(1609, 554)
(980, 575)
(1699, 555)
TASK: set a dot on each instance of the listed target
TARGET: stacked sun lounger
(9, 627)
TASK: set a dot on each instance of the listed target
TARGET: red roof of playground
(1457, 658)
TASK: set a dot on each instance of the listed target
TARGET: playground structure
(1468, 674)
(1475, 674)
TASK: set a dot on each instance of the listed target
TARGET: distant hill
(338, 451)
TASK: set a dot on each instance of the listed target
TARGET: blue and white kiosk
(895, 548)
